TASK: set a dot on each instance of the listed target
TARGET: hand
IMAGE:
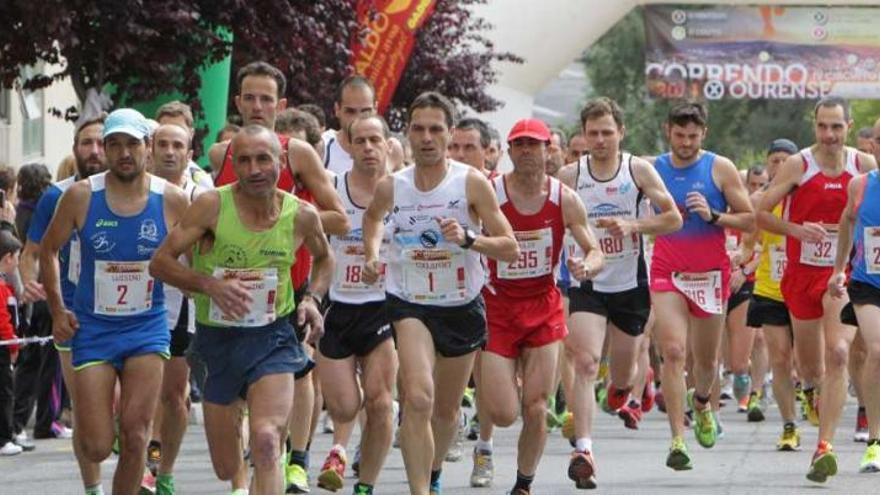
(64, 325)
(696, 203)
(616, 227)
(33, 292)
(837, 284)
(452, 230)
(737, 278)
(371, 272)
(579, 269)
(231, 297)
(810, 232)
(309, 317)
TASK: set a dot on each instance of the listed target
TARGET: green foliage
(864, 114)
(738, 129)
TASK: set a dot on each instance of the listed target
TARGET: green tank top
(262, 260)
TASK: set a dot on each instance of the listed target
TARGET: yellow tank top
(771, 263)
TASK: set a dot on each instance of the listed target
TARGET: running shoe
(296, 479)
(649, 393)
(741, 386)
(678, 458)
(631, 414)
(603, 401)
(154, 457)
(660, 400)
(484, 469)
(582, 470)
(396, 442)
(810, 407)
(871, 459)
(436, 488)
(467, 399)
(616, 397)
(456, 450)
(755, 410)
(473, 431)
(726, 387)
(327, 424)
(861, 434)
(333, 471)
(10, 448)
(239, 491)
(790, 439)
(165, 484)
(705, 426)
(356, 465)
(603, 369)
(742, 405)
(148, 484)
(568, 425)
(22, 440)
(824, 463)
(551, 418)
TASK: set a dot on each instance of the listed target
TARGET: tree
(739, 129)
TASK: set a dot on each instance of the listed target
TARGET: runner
(357, 332)
(614, 186)
(244, 237)
(813, 184)
(88, 152)
(118, 322)
(524, 308)
(433, 281)
(690, 271)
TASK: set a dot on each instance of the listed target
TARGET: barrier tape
(26, 341)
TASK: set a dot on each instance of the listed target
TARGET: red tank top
(540, 242)
(819, 199)
(299, 272)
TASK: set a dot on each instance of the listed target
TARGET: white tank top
(618, 197)
(423, 268)
(347, 285)
(336, 159)
(173, 297)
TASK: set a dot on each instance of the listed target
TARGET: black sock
(861, 409)
(155, 444)
(700, 399)
(300, 458)
(362, 489)
(873, 441)
(523, 482)
(435, 475)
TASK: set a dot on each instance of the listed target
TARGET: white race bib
(261, 284)
(349, 265)
(777, 262)
(821, 253)
(74, 261)
(535, 255)
(731, 242)
(703, 289)
(617, 249)
(122, 288)
(434, 275)
(872, 249)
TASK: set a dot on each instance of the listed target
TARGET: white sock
(340, 449)
(484, 445)
(584, 444)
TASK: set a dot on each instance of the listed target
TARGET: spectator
(9, 248)
(33, 179)
(66, 168)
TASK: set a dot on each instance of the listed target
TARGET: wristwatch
(715, 216)
(469, 238)
(314, 297)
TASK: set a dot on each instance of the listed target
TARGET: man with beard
(88, 151)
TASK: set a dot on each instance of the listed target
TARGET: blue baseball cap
(126, 121)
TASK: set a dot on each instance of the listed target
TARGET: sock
(584, 444)
(300, 458)
(363, 489)
(700, 400)
(95, 490)
(484, 445)
(873, 441)
(155, 444)
(862, 410)
(789, 424)
(523, 482)
(435, 475)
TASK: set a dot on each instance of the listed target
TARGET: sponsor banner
(385, 40)
(751, 52)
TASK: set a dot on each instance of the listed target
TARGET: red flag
(385, 41)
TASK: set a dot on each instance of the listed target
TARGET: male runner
(88, 152)
(524, 308)
(243, 239)
(118, 320)
(177, 112)
(613, 186)
(354, 97)
(433, 280)
(470, 143)
(690, 271)
(814, 184)
(357, 331)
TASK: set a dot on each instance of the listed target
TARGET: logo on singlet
(101, 244)
(149, 231)
(429, 238)
(453, 203)
(106, 223)
(233, 256)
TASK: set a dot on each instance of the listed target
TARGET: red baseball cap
(530, 128)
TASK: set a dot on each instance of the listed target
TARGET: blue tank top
(866, 233)
(43, 213)
(681, 181)
(115, 291)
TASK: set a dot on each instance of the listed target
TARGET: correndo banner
(765, 52)
(385, 41)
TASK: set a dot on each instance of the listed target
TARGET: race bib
(434, 275)
(349, 266)
(74, 261)
(535, 255)
(703, 289)
(821, 253)
(731, 242)
(617, 249)
(777, 262)
(872, 249)
(261, 284)
(122, 288)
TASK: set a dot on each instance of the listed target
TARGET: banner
(748, 52)
(385, 41)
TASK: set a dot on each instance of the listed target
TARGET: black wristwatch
(469, 238)
(314, 297)
(715, 216)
